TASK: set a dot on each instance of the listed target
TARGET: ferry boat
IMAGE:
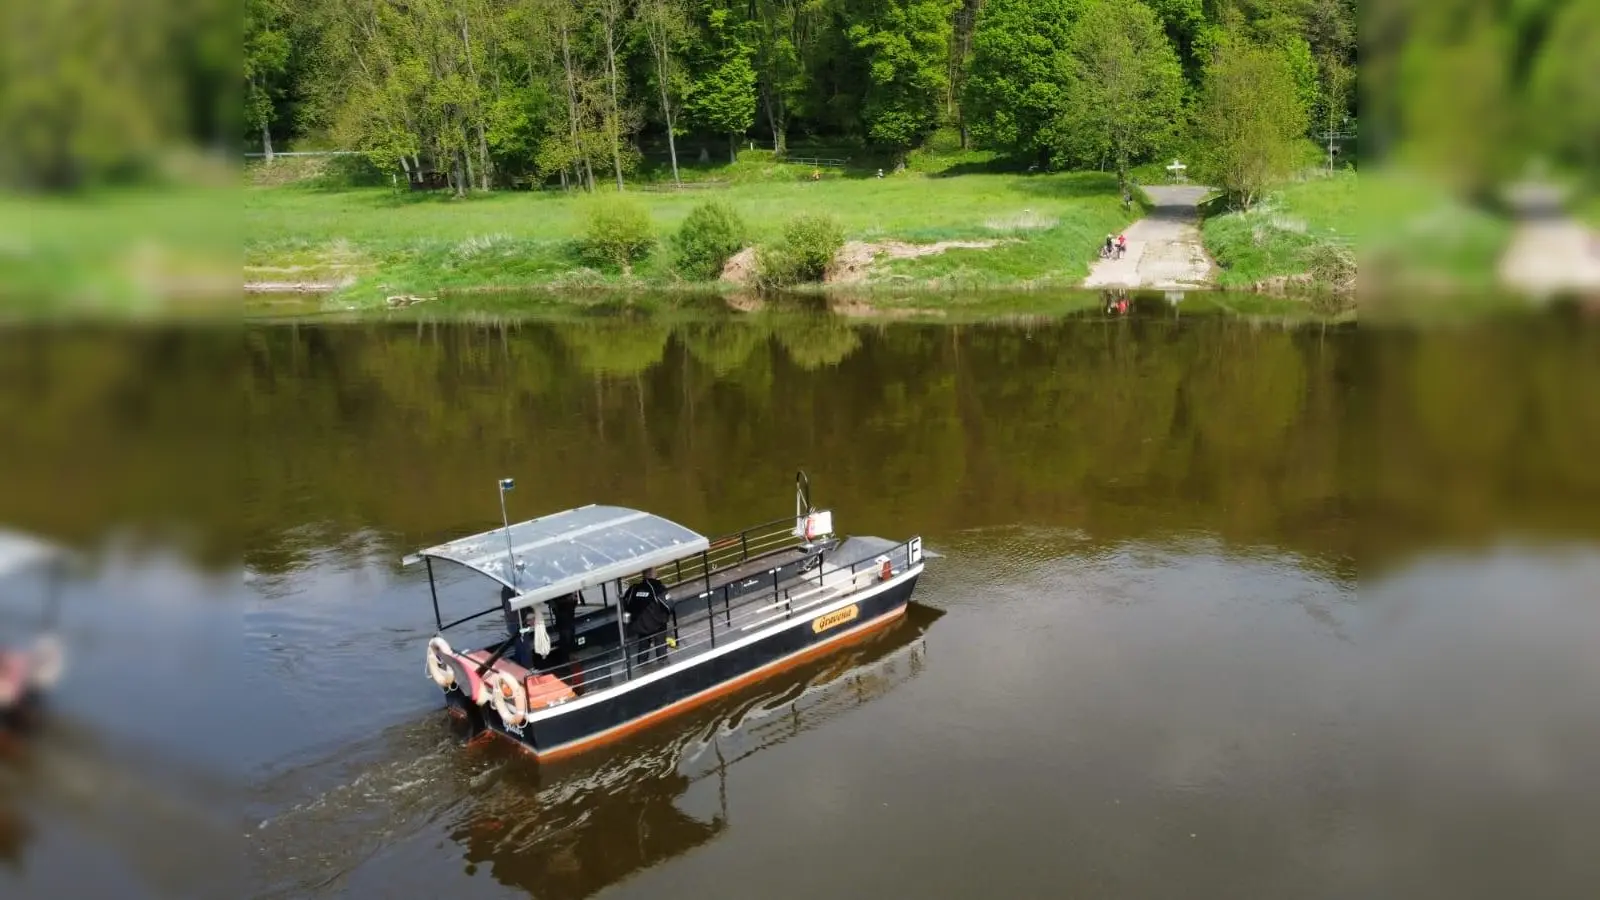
(28, 670)
(573, 671)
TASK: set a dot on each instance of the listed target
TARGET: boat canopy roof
(569, 550)
(19, 552)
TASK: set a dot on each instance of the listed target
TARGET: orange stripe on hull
(691, 702)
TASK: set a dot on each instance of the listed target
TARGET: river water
(1225, 607)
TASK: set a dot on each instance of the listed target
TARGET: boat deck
(707, 619)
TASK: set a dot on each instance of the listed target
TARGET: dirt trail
(854, 261)
(1549, 251)
(1164, 249)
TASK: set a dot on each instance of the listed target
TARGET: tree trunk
(662, 53)
(266, 142)
(672, 144)
(775, 117)
(483, 143)
(580, 163)
(616, 112)
(1122, 177)
(733, 147)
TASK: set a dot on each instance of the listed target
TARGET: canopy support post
(434, 592)
(622, 632)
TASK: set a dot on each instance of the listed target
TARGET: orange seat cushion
(545, 690)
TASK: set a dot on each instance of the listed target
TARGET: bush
(710, 234)
(804, 253)
(617, 230)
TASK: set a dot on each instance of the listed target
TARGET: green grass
(1589, 210)
(387, 242)
(125, 251)
(1279, 234)
(1405, 230)
(1410, 231)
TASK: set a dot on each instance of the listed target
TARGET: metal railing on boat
(727, 617)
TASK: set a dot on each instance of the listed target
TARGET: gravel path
(1164, 249)
(1549, 251)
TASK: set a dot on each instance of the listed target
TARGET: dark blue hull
(658, 694)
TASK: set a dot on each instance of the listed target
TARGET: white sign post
(1177, 169)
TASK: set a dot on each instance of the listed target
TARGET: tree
(724, 99)
(782, 39)
(905, 42)
(1333, 97)
(1016, 85)
(666, 25)
(1564, 88)
(266, 56)
(612, 19)
(1126, 87)
(1251, 117)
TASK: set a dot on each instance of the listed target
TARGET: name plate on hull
(837, 617)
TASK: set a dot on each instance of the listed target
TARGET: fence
(729, 617)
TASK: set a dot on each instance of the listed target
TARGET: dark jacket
(648, 605)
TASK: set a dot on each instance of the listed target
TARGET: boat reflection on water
(568, 831)
(83, 816)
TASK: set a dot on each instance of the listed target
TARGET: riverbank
(947, 308)
(1298, 237)
(365, 245)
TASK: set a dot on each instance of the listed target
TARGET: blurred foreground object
(30, 669)
(114, 174)
(1487, 118)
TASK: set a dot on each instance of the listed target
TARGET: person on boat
(649, 610)
(565, 610)
(520, 627)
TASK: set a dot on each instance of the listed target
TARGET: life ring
(509, 696)
(442, 675)
(47, 662)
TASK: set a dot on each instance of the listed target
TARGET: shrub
(807, 247)
(617, 230)
(1331, 265)
(710, 234)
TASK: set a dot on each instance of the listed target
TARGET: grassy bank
(130, 251)
(951, 309)
(377, 242)
(1293, 231)
(1405, 231)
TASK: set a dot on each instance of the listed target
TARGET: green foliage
(1565, 88)
(1016, 84)
(708, 236)
(906, 44)
(266, 56)
(617, 230)
(724, 99)
(1125, 90)
(807, 248)
(1251, 119)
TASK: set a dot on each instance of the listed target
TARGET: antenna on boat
(507, 484)
(802, 494)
